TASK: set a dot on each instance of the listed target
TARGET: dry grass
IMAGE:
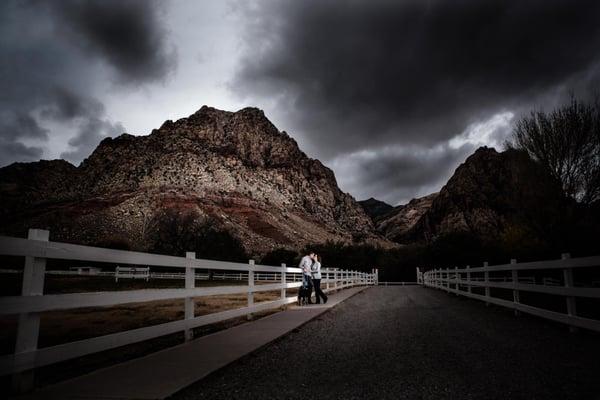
(59, 327)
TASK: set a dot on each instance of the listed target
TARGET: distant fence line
(37, 249)
(203, 276)
(388, 283)
(462, 282)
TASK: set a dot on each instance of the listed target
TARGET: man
(306, 267)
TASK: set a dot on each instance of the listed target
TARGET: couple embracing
(311, 277)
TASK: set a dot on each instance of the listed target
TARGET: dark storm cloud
(358, 74)
(66, 105)
(127, 34)
(89, 135)
(18, 125)
(398, 174)
(15, 151)
(54, 57)
(14, 125)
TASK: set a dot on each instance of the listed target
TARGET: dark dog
(303, 295)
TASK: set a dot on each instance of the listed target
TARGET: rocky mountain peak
(400, 220)
(235, 168)
(375, 208)
(494, 194)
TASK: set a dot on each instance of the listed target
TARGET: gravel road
(415, 343)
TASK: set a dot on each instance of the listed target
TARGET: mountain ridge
(235, 169)
(375, 208)
(503, 197)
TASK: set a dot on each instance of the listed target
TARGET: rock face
(375, 209)
(235, 168)
(494, 196)
(397, 224)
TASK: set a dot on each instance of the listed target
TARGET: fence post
(486, 277)
(335, 278)
(29, 323)
(456, 284)
(448, 280)
(469, 279)
(250, 286)
(571, 304)
(189, 304)
(283, 281)
(515, 281)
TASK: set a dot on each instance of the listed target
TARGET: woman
(316, 278)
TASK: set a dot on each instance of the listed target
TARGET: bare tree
(567, 142)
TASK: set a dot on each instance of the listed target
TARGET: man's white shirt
(305, 265)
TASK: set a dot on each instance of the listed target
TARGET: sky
(392, 95)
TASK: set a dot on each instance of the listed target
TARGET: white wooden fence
(328, 274)
(37, 249)
(463, 281)
(389, 283)
(132, 273)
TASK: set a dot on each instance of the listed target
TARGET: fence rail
(463, 281)
(37, 249)
(204, 276)
(388, 283)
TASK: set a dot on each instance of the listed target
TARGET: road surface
(415, 343)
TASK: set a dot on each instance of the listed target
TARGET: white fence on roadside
(37, 249)
(132, 273)
(328, 274)
(389, 283)
(463, 281)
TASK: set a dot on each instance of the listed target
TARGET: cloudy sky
(392, 95)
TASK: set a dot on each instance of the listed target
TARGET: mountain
(494, 196)
(232, 170)
(375, 208)
(398, 222)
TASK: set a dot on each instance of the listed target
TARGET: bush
(176, 232)
(276, 257)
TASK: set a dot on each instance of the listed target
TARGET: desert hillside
(234, 172)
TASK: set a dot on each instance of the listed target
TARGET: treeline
(577, 236)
